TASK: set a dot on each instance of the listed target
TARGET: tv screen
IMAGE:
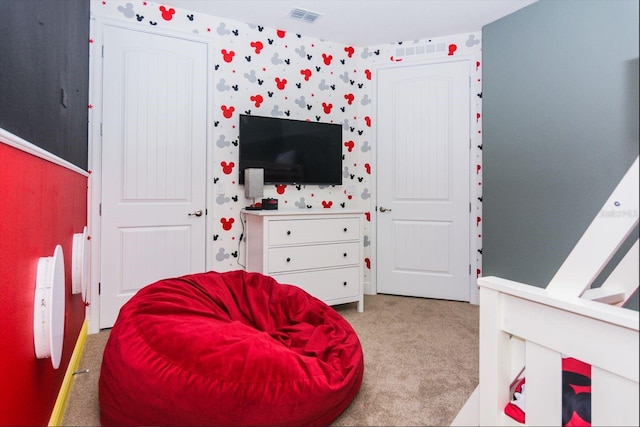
(291, 151)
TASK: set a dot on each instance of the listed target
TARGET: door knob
(196, 213)
(384, 209)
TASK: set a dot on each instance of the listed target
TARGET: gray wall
(560, 128)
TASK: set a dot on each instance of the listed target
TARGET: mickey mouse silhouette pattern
(272, 72)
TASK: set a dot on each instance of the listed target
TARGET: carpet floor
(421, 364)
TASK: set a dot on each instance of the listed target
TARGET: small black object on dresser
(270, 204)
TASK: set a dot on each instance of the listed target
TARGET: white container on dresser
(319, 251)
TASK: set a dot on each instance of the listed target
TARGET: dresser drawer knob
(345, 229)
(288, 259)
(344, 283)
(288, 232)
(344, 254)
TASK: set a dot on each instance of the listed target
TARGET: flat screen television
(291, 151)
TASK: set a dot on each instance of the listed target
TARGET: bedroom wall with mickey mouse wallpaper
(259, 70)
(269, 72)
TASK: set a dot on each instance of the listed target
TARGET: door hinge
(102, 52)
(100, 209)
(469, 269)
(99, 288)
(469, 207)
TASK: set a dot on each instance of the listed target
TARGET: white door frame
(94, 196)
(372, 288)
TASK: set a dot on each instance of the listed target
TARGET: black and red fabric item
(576, 392)
(576, 395)
(232, 349)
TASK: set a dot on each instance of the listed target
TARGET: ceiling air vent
(303, 15)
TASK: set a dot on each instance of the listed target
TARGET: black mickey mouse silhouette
(578, 402)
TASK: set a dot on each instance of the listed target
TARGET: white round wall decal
(80, 264)
(48, 307)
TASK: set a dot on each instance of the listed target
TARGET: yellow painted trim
(65, 389)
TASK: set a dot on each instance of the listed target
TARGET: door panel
(153, 162)
(423, 181)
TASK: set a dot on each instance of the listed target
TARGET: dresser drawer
(326, 285)
(312, 256)
(300, 231)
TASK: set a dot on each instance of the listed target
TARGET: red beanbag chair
(229, 349)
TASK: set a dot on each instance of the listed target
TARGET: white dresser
(317, 250)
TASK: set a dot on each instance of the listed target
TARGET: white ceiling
(362, 22)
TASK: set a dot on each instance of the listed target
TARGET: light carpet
(421, 364)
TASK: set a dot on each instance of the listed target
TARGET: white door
(423, 181)
(153, 163)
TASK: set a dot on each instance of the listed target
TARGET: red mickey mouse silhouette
(349, 196)
(367, 261)
(167, 14)
(349, 97)
(227, 223)
(327, 107)
(227, 168)
(326, 204)
(306, 73)
(478, 167)
(227, 56)
(367, 167)
(367, 216)
(281, 83)
(367, 119)
(257, 99)
(350, 50)
(349, 145)
(281, 33)
(327, 58)
(280, 188)
(368, 74)
(257, 45)
(478, 220)
(227, 112)
(452, 49)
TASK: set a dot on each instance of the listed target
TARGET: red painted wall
(41, 205)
